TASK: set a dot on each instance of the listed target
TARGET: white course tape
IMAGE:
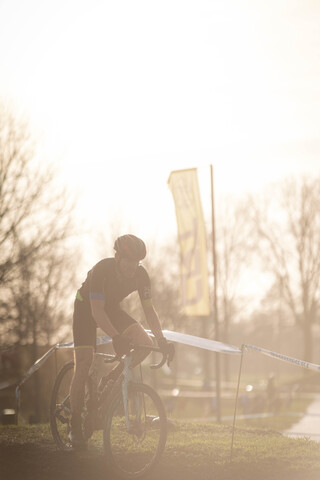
(37, 364)
(183, 338)
(99, 341)
(200, 342)
(285, 358)
(44, 358)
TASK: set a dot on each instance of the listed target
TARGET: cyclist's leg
(83, 357)
(127, 326)
(138, 336)
(84, 333)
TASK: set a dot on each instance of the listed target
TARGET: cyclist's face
(127, 266)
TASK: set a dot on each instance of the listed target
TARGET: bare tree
(35, 222)
(288, 226)
(42, 298)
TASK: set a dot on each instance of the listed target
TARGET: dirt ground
(43, 461)
(25, 455)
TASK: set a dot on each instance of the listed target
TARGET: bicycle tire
(60, 407)
(134, 454)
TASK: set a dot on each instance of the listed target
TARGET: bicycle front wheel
(135, 431)
(60, 410)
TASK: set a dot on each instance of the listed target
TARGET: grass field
(194, 451)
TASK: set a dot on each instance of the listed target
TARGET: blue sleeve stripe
(96, 296)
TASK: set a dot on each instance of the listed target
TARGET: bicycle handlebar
(149, 348)
(164, 359)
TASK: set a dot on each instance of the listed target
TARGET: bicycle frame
(128, 377)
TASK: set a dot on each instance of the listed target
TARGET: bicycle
(130, 414)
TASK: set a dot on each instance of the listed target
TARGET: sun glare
(124, 93)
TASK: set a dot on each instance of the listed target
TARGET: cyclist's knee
(138, 335)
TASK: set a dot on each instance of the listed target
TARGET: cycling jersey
(104, 282)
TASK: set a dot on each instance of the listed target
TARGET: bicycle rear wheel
(60, 411)
(133, 446)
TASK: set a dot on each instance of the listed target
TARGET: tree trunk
(307, 337)
(206, 355)
(226, 340)
(37, 389)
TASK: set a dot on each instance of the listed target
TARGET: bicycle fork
(128, 378)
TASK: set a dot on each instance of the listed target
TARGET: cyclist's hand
(121, 345)
(166, 348)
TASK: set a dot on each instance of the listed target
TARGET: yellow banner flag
(192, 238)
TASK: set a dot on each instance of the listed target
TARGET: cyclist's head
(129, 251)
(130, 247)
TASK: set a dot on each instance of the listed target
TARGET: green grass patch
(256, 453)
(285, 417)
(194, 451)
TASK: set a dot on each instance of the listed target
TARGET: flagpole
(215, 303)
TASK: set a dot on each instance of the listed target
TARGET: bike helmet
(130, 246)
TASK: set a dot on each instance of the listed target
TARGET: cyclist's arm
(152, 318)
(147, 304)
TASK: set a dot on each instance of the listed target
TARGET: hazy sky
(123, 92)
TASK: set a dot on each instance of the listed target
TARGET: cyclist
(97, 304)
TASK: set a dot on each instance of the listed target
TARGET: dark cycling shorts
(85, 328)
